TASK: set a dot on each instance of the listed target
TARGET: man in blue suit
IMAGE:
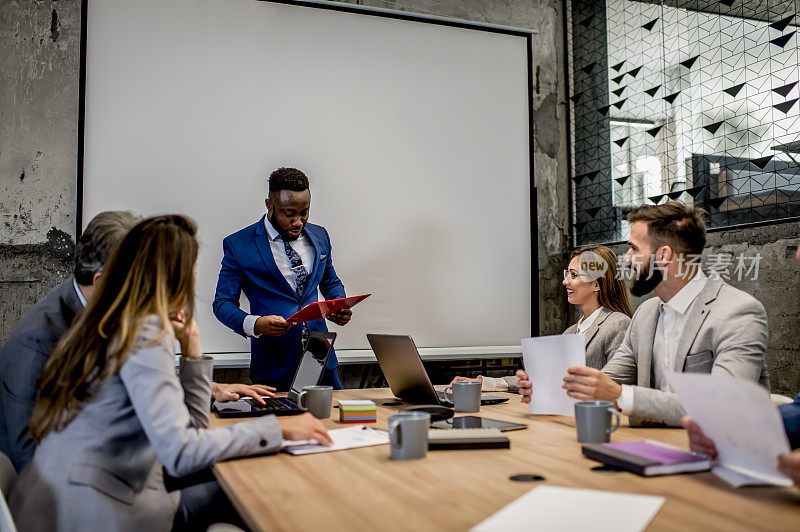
(279, 262)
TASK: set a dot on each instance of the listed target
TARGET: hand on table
(341, 317)
(304, 427)
(272, 325)
(698, 441)
(590, 384)
(233, 392)
(525, 386)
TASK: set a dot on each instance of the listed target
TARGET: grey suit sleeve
(195, 377)
(621, 366)
(158, 400)
(513, 383)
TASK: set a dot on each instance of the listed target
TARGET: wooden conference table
(362, 489)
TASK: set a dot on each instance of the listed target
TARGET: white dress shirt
(492, 384)
(80, 294)
(302, 245)
(672, 317)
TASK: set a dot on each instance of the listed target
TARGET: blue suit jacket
(248, 265)
(791, 421)
(22, 360)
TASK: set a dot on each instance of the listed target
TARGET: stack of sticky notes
(357, 411)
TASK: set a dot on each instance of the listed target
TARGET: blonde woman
(592, 283)
(111, 413)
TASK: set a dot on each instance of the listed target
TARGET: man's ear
(96, 279)
(268, 203)
(665, 254)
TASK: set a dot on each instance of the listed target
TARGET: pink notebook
(647, 458)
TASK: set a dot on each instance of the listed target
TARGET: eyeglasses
(571, 275)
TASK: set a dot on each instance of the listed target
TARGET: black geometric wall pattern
(784, 90)
(696, 100)
(734, 91)
(652, 91)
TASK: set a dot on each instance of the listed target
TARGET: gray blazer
(603, 338)
(22, 359)
(103, 471)
(725, 334)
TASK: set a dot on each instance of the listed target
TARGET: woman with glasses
(593, 283)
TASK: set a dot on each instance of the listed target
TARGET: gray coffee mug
(408, 435)
(466, 396)
(593, 421)
(317, 400)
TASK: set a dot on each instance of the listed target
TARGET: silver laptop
(406, 375)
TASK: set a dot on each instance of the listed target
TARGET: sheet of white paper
(553, 508)
(345, 438)
(741, 419)
(546, 360)
(736, 478)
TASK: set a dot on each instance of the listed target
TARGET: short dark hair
(97, 242)
(287, 179)
(673, 224)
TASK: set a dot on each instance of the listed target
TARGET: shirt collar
(587, 322)
(271, 231)
(681, 301)
(78, 291)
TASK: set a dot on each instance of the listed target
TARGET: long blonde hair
(150, 272)
(613, 294)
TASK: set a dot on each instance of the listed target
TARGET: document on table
(546, 359)
(744, 424)
(346, 438)
(554, 508)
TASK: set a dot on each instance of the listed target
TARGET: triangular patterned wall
(668, 102)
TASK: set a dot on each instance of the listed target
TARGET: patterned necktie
(301, 279)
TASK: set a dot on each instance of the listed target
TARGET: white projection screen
(415, 135)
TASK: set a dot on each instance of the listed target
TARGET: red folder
(321, 309)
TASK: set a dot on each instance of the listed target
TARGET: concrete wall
(39, 42)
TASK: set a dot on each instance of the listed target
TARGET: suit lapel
(317, 246)
(644, 347)
(594, 327)
(697, 316)
(264, 249)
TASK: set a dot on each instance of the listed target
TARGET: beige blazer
(725, 334)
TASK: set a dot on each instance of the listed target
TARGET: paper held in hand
(744, 424)
(546, 359)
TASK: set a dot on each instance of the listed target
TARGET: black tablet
(475, 422)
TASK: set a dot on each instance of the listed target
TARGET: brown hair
(97, 242)
(150, 272)
(613, 294)
(673, 224)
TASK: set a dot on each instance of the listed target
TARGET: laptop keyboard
(273, 404)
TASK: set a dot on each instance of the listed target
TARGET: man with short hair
(696, 324)
(28, 348)
(279, 262)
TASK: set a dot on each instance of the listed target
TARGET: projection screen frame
(377, 12)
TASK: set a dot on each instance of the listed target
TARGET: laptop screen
(312, 365)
